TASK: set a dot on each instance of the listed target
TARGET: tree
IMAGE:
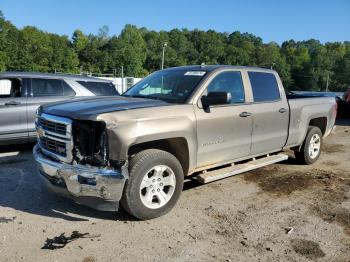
(80, 41)
(209, 45)
(63, 58)
(302, 65)
(269, 56)
(93, 57)
(103, 33)
(154, 43)
(342, 77)
(130, 51)
(3, 55)
(241, 49)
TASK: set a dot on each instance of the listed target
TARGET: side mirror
(216, 98)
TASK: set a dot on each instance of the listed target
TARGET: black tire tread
(302, 155)
(135, 163)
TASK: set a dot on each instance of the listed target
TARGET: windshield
(173, 86)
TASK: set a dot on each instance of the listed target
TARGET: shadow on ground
(343, 122)
(22, 189)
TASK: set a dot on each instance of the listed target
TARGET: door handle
(12, 103)
(282, 110)
(245, 114)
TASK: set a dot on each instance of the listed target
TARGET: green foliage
(303, 65)
(131, 51)
(63, 57)
(80, 41)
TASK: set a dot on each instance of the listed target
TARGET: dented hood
(90, 107)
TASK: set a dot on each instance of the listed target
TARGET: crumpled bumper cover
(98, 188)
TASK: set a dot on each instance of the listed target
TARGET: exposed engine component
(90, 143)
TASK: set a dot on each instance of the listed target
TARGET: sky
(272, 20)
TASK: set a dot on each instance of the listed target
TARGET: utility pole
(122, 79)
(164, 46)
(327, 83)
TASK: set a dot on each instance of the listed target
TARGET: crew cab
(21, 93)
(200, 122)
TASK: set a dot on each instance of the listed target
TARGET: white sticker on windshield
(195, 73)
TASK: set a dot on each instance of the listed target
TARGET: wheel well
(320, 122)
(176, 146)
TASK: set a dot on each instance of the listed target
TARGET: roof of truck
(209, 68)
(16, 74)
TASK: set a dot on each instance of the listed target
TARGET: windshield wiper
(141, 96)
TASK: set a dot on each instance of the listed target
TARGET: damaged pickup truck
(198, 122)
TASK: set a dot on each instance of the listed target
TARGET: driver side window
(229, 82)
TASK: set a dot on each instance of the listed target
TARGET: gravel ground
(281, 212)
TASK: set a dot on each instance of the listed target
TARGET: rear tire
(310, 150)
(154, 185)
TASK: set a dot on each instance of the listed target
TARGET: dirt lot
(282, 212)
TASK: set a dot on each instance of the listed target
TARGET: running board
(232, 170)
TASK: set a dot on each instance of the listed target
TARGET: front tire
(154, 185)
(310, 150)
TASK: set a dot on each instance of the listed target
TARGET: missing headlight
(90, 143)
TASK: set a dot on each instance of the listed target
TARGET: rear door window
(264, 86)
(100, 88)
(50, 87)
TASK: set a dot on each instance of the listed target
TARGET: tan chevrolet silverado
(193, 122)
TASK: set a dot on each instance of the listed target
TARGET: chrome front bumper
(81, 182)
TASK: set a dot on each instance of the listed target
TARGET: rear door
(270, 112)
(13, 111)
(45, 90)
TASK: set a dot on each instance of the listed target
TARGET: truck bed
(302, 108)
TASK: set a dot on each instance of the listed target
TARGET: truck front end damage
(72, 156)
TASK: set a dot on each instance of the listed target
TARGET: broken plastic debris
(6, 220)
(289, 230)
(61, 241)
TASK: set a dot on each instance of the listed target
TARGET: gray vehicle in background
(21, 93)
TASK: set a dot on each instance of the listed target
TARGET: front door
(224, 134)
